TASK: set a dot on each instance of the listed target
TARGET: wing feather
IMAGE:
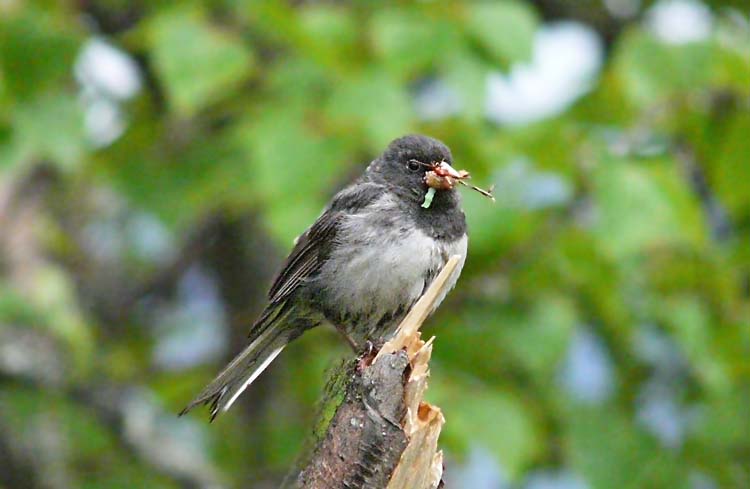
(306, 258)
(313, 247)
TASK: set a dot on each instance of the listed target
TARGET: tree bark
(374, 429)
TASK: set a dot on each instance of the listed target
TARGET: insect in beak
(442, 176)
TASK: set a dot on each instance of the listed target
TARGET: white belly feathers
(391, 271)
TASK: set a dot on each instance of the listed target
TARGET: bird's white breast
(380, 266)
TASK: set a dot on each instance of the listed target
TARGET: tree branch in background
(375, 430)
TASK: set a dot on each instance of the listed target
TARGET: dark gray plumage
(360, 266)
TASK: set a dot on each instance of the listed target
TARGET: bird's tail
(243, 369)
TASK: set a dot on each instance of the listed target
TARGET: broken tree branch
(374, 429)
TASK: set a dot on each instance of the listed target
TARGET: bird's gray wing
(312, 249)
(271, 332)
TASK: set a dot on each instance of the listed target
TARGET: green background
(597, 338)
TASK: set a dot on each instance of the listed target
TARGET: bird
(372, 253)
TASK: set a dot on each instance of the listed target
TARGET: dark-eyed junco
(362, 265)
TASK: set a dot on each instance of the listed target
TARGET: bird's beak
(446, 169)
(443, 176)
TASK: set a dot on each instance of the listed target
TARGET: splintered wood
(421, 464)
(375, 430)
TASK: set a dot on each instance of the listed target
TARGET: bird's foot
(368, 355)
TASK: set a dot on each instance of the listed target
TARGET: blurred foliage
(247, 117)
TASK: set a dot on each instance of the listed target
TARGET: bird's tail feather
(242, 370)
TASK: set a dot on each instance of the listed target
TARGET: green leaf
(541, 339)
(493, 419)
(53, 293)
(730, 169)
(49, 127)
(723, 421)
(294, 170)
(330, 30)
(733, 59)
(374, 103)
(690, 326)
(178, 181)
(36, 51)
(643, 205)
(494, 228)
(504, 28)
(467, 74)
(409, 41)
(295, 78)
(197, 61)
(609, 451)
(533, 339)
(652, 71)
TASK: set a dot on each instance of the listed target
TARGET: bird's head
(413, 164)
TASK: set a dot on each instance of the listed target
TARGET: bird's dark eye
(413, 165)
